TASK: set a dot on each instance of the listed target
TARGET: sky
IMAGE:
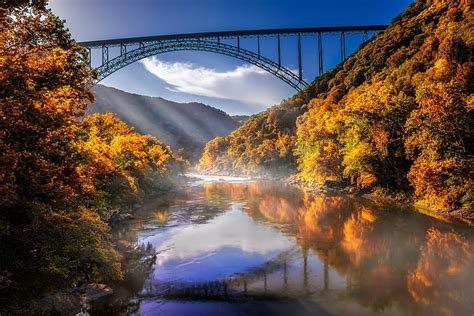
(220, 81)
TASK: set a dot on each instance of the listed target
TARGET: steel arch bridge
(134, 49)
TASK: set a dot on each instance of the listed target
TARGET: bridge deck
(233, 34)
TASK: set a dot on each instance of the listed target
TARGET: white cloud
(248, 83)
(229, 230)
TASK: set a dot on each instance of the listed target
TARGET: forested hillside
(395, 118)
(180, 125)
(62, 176)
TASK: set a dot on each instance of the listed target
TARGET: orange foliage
(439, 278)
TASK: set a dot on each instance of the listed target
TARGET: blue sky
(236, 88)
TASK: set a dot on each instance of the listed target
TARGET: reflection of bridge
(238, 285)
(130, 50)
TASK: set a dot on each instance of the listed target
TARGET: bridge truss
(134, 49)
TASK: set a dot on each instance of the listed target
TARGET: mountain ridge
(180, 125)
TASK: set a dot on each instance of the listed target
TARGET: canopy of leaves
(406, 124)
(59, 176)
(395, 117)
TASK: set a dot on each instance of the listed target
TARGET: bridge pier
(279, 51)
(300, 69)
(320, 54)
(105, 54)
(343, 46)
(258, 46)
(123, 49)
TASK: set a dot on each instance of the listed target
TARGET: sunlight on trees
(59, 176)
(395, 118)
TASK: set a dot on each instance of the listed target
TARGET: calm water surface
(264, 248)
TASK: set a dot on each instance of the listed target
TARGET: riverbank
(461, 215)
(135, 259)
(84, 298)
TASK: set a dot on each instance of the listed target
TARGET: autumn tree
(48, 236)
(118, 164)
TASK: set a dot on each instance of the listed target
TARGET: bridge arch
(159, 47)
(211, 42)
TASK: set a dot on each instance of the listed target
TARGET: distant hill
(241, 119)
(181, 125)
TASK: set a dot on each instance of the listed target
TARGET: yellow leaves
(159, 155)
(367, 180)
(215, 156)
(470, 102)
(442, 69)
(42, 60)
(381, 138)
(131, 151)
(354, 156)
(317, 147)
(113, 153)
(442, 184)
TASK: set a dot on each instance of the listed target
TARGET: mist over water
(237, 247)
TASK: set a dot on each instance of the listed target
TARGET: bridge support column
(300, 68)
(219, 40)
(258, 46)
(238, 42)
(123, 49)
(105, 55)
(343, 46)
(279, 51)
(365, 36)
(320, 54)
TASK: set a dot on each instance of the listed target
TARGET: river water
(235, 247)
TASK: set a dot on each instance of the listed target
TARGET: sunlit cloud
(224, 231)
(247, 83)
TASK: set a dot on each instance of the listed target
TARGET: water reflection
(444, 268)
(274, 244)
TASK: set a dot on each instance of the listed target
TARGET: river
(236, 247)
